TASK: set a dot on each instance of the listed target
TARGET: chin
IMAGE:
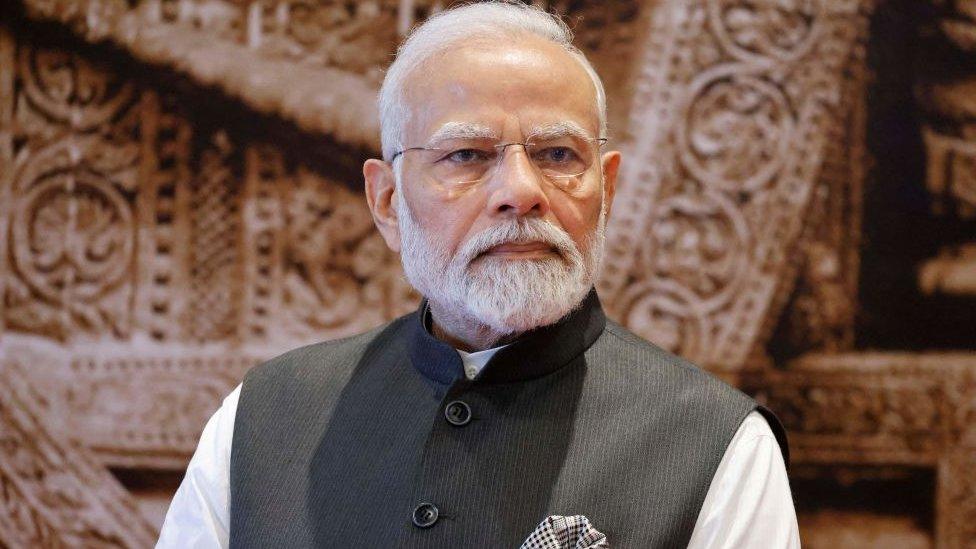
(510, 318)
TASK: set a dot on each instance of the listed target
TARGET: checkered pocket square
(558, 532)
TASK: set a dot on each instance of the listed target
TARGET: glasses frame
(601, 141)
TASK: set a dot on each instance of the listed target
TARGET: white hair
(500, 19)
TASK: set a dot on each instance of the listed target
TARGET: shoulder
(649, 372)
(327, 357)
(626, 355)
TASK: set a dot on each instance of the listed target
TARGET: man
(507, 397)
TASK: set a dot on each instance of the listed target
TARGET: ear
(381, 198)
(611, 166)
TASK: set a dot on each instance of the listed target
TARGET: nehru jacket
(379, 440)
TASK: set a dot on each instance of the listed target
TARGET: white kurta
(748, 505)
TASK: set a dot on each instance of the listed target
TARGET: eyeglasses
(465, 161)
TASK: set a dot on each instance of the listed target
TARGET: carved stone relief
(320, 269)
(821, 311)
(887, 408)
(159, 253)
(950, 142)
(732, 110)
(53, 493)
(957, 501)
(71, 193)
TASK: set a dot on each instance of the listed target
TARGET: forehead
(510, 86)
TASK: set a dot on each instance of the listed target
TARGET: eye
(466, 156)
(557, 155)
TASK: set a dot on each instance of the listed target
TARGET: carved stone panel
(732, 108)
(158, 253)
(71, 192)
(957, 499)
(53, 493)
(887, 409)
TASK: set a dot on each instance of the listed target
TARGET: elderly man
(507, 398)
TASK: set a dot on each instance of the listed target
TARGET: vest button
(458, 413)
(425, 515)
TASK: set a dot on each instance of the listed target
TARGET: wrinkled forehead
(500, 90)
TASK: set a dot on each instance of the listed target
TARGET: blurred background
(181, 198)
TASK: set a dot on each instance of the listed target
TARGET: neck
(465, 333)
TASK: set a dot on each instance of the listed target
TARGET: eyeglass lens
(457, 161)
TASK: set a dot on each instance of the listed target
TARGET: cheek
(578, 216)
(449, 225)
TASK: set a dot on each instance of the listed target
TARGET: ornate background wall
(180, 198)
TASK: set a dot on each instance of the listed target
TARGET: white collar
(475, 362)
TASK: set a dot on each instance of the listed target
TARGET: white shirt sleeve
(199, 515)
(748, 505)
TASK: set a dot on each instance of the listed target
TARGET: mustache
(519, 231)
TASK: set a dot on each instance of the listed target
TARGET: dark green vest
(380, 441)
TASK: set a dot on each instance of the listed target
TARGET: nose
(517, 185)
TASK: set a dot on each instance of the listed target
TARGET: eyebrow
(557, 129)
(470, 130)
(462, 130)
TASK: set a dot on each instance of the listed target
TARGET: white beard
(507, 296)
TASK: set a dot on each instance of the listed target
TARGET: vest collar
(536, 353)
